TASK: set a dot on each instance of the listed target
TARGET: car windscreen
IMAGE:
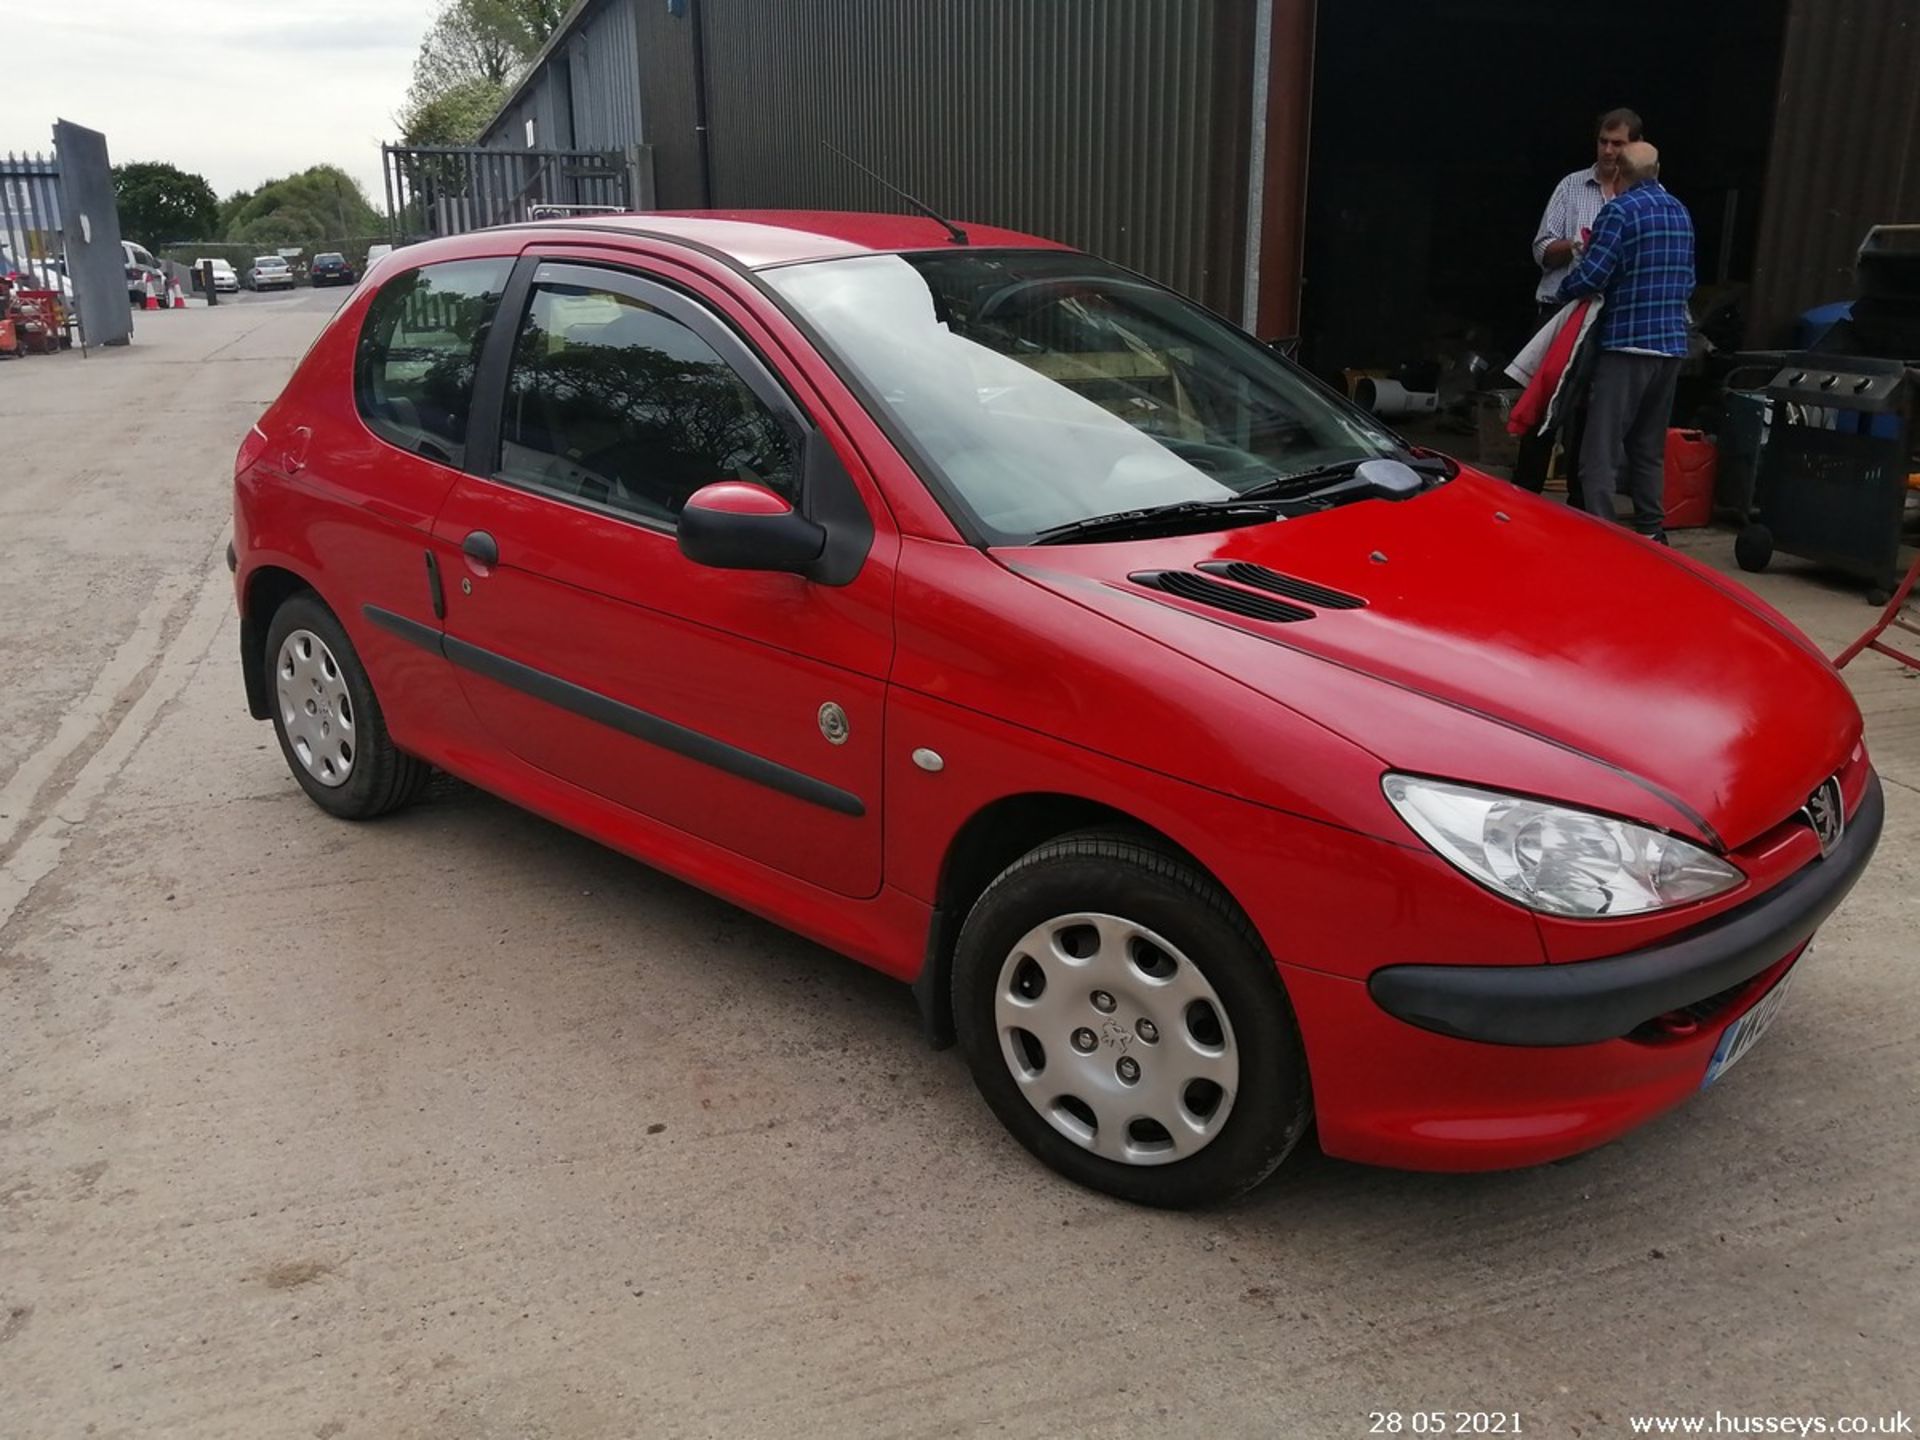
(1043, 388)
(329, 260)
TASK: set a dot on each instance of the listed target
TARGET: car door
(742, 708)
(379, 458)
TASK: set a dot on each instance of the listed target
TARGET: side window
(612, 401)
(419, 348)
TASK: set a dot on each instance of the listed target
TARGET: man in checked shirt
(1641, 260)
(1564, 227)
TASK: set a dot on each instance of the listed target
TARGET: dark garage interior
(1440, 128)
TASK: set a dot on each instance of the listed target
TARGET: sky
(235, 92)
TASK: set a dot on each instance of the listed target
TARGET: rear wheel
(328, 719)
(1124, 1021)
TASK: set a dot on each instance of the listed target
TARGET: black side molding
(412, 631)
(1587, 1001)
(617, 715)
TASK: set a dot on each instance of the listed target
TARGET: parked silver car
(270, 272)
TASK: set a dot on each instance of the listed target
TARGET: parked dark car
(332, 270)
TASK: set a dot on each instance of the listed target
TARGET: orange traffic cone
(152, 301)
(179, 298)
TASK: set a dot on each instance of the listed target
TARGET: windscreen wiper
(1162, 519)
(1383, 482)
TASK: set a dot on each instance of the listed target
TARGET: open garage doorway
(1440, 128)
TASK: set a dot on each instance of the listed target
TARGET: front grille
(1260, 578)
(1202, 591)
(1703, 1011)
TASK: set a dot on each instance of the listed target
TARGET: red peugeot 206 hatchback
(1212, 762)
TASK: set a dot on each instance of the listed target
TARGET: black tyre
(328, 719)
(1753, 548)
(1124, 1021)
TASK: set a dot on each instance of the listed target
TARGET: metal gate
(450, 189)
(30, 215)
(95, 262)
(61, 227)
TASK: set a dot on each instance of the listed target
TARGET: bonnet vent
(1202, 591)
(1272, 581)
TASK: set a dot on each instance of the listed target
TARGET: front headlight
(1553, 859)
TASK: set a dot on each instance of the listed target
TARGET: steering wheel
(1225, 463)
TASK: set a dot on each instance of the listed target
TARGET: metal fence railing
(450, 189)
(30, 225)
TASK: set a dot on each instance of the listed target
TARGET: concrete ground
(458, 1125)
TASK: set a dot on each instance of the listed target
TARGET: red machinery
(1889, 616)
(40, 320)
(9, 334)
(31, 320)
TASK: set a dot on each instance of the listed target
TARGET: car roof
(756, 239)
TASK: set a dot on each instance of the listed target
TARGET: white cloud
(237, 93)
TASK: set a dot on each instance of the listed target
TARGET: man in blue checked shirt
(1641, 260)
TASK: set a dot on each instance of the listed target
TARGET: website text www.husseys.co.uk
(1721, 1423)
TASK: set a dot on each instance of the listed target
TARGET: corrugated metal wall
(509, 128)
(585, 92)
(1846, 152)
(606, 79)
(666, 102)
(1118, 125)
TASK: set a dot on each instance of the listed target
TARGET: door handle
(481, 548)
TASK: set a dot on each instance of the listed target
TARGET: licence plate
(1745, 1033)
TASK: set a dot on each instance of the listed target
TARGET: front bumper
(1491, 1067)
(1588, 1001)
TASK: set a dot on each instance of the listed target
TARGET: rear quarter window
(419, 348)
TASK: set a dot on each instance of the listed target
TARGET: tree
(531, 23)
(160, 204)
(473, 50)
(454, 117)
(230, 209)
(323, 203)
(466, 42)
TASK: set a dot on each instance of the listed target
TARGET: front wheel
(1125, 1023)
(328, 719)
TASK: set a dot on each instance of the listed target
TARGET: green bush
(323, 200)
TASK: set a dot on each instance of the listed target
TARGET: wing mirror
(733, 525)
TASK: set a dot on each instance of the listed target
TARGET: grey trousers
(1625, 444)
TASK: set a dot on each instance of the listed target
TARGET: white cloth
(1526, 364)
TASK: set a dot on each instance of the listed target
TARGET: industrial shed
(1366, 176)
